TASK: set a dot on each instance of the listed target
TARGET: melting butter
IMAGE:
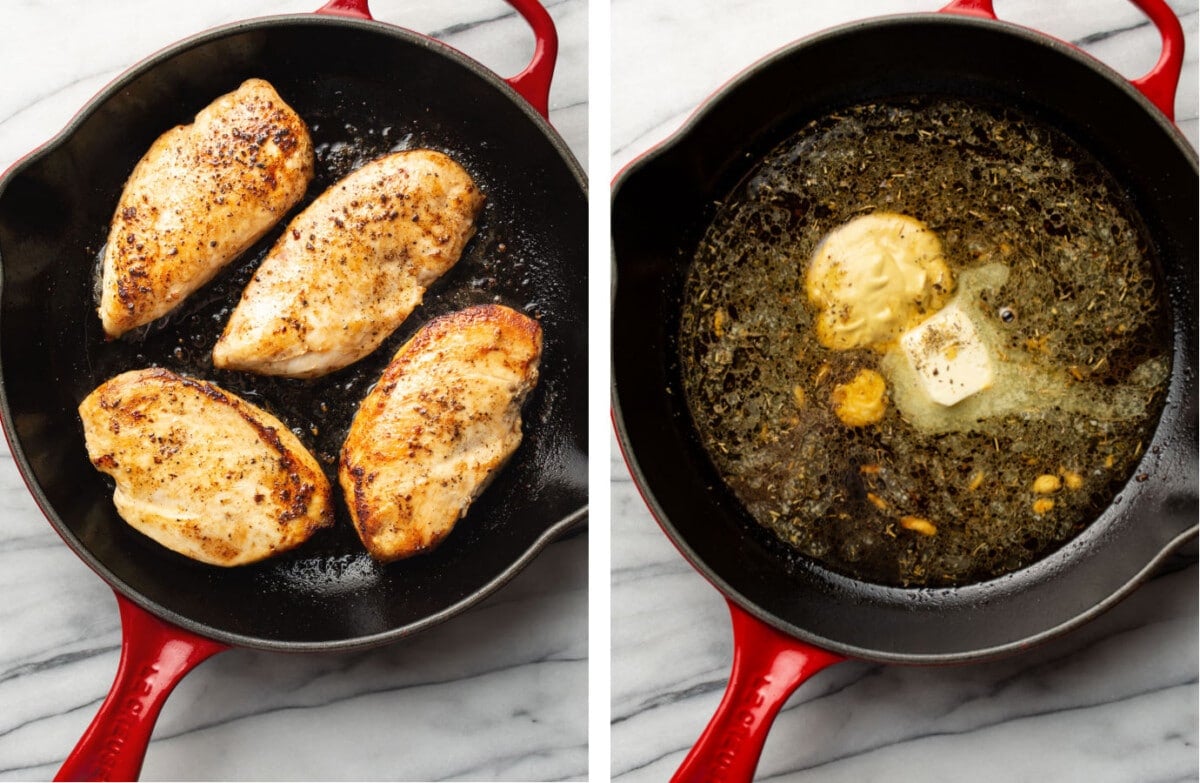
(950, 360)
(1023, 383)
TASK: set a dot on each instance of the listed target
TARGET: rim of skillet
(662, 518)
(576, 518)
(1029, 34)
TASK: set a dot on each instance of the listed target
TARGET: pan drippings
(838, 444)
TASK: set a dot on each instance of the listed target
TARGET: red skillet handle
(1160, 84)
(154, 657)
(533, 83)
(767, 667)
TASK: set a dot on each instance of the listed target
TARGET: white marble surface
(499, 693)
(1114, 701)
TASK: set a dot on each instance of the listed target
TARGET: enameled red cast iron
(791, 619)
(363, 87)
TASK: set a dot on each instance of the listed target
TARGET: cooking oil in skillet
(1051, 263)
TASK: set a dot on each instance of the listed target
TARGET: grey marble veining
(498, 693)
(1116, 700)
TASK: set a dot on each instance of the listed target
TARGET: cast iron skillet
(792, 617)
(364, 88)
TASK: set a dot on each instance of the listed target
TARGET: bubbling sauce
(1053, 270)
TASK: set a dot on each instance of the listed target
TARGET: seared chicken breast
(199, 197)
(352, 266)
(443, 419)
(201, 471)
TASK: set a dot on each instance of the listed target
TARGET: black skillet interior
(661, 207)
(364, 89)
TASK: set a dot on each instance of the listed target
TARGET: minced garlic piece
(862, 401)
(918, 525)
(798, 396)
(719, 319)
(1047, 484)
(1072, 479)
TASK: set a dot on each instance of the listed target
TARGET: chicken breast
(199, 197)
(352, 266)
(443, 419)
(201, 471)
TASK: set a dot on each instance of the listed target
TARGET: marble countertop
(1114, 701)
(498, 693)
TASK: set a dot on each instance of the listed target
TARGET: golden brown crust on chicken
(201, 471)
(352, 266)
(443, 419)
(200, 196)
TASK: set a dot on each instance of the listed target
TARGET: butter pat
(949, 358)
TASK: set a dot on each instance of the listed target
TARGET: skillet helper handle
(1161, 82)
(768, 666)
(154, 657)
(355, 9)
(532, 83)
